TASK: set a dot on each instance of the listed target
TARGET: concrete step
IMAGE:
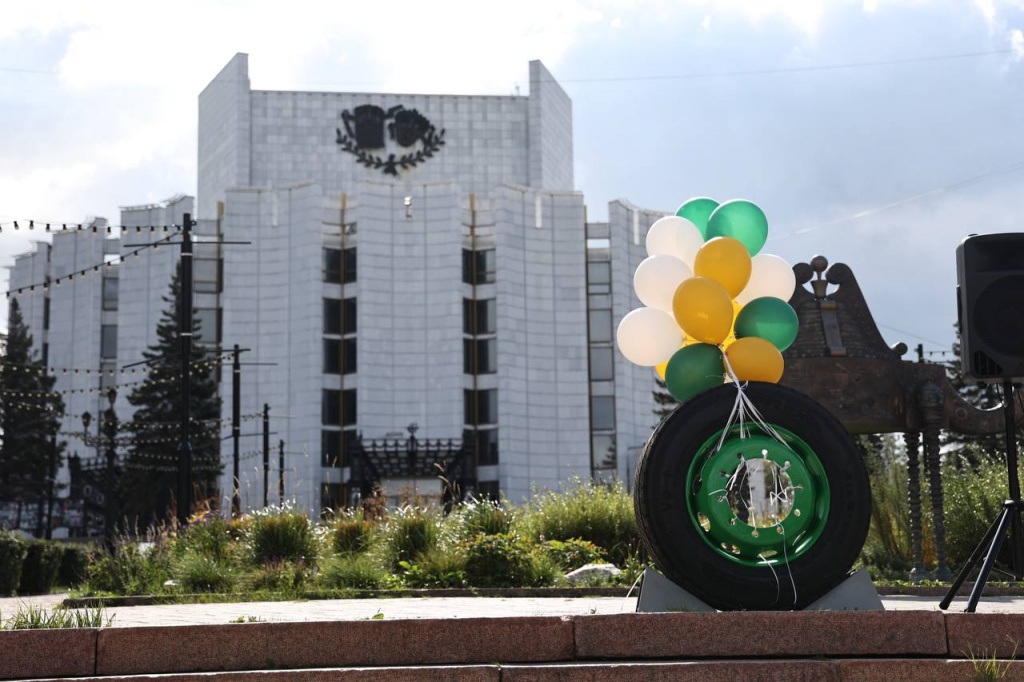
(681, 638)
(774, 670)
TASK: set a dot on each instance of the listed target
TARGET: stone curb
(925, 638)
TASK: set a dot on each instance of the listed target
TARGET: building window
(480, 356)
(108, 341)
(479, 317)
(599, 277)
(46, 313)
(209, 327)
(488, 444)
(331, 496)
(340, 266)
(484, 264)
(340, 356)
(109, 293)
(109, 376)
(339, 316)
(604, 450)
(481, 407)
(601, 368)
(338, 407)
(600, 326)
(488, 490)
(602, 413)
(330, 448)
(206, 275)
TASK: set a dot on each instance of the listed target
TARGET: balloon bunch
(716, 308)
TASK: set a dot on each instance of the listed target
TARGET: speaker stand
(1009, 518)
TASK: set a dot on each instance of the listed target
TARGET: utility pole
(110, 495)
(236, 409)
(185, 337)
(266, 455)
(280, 473)
(48, 533)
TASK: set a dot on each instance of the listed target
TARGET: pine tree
(982, 396)
(29, 415)
(664, 400)
(149, 483)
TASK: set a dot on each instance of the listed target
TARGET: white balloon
(657, 278)
(648, 336)
(769, 276)
(674, 236)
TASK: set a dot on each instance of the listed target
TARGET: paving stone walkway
(437, 607)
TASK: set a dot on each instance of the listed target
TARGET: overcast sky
(875, 133)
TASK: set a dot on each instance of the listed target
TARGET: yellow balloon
(726, 261)
(703, 310)
(660, 369)
(754, 359)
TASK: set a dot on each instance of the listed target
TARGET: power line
(960, 184)
(911, 334)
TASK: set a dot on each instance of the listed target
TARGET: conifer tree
(29, 416)
(982, 396)
(149, 482)
(664, 401)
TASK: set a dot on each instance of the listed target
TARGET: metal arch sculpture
(841, 361)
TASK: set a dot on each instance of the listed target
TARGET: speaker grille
(984, 366)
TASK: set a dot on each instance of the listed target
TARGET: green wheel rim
(756, 501)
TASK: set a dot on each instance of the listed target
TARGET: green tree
(149, 482)
(29, 416)
(664, 402)
(982, 396)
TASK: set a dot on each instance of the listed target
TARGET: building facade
(412, 276)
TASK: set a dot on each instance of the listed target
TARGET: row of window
(340, 265)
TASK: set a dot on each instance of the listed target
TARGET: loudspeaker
(990, 306)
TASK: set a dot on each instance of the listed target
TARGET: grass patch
(38, 618)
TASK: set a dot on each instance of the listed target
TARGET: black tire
(674, 540)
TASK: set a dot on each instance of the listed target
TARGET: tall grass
(602, 514)
(36, 617)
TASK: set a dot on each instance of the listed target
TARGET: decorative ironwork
(364, 131)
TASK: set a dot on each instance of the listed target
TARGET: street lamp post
(110, 429)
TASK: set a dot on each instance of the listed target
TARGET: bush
(571, 554)
(486, 517)
(435, 568)
(601, 514)
(353, 571)
(280, 576)
(409, 532)
(74, 565)
(12, 554)
(504, 561)
(127, 572)
(196, 572)
(974, 496)
(39, 568)
(207, 537)
(351, 534)
(282, 536)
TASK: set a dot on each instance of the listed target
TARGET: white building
(414, 259)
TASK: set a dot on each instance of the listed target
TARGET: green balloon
(694, 369)
(741, 220)
(769, 318)
(697, 211)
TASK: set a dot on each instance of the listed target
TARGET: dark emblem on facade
(364, 129)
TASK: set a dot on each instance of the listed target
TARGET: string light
(93, 227)
(217, 359)
(95, 268)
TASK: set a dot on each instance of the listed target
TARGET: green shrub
(571, 554)
(280, 576)
(435, 568)
(504, 561)
(12, 555)
(351, 534)
(207, 537)
(197, 572)
(601, 514)
(282, 536)
(409, 532)
(485, 516)
(353, 571)
(74, 565)
(127, 572)
(39, 568)
(974, 495)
